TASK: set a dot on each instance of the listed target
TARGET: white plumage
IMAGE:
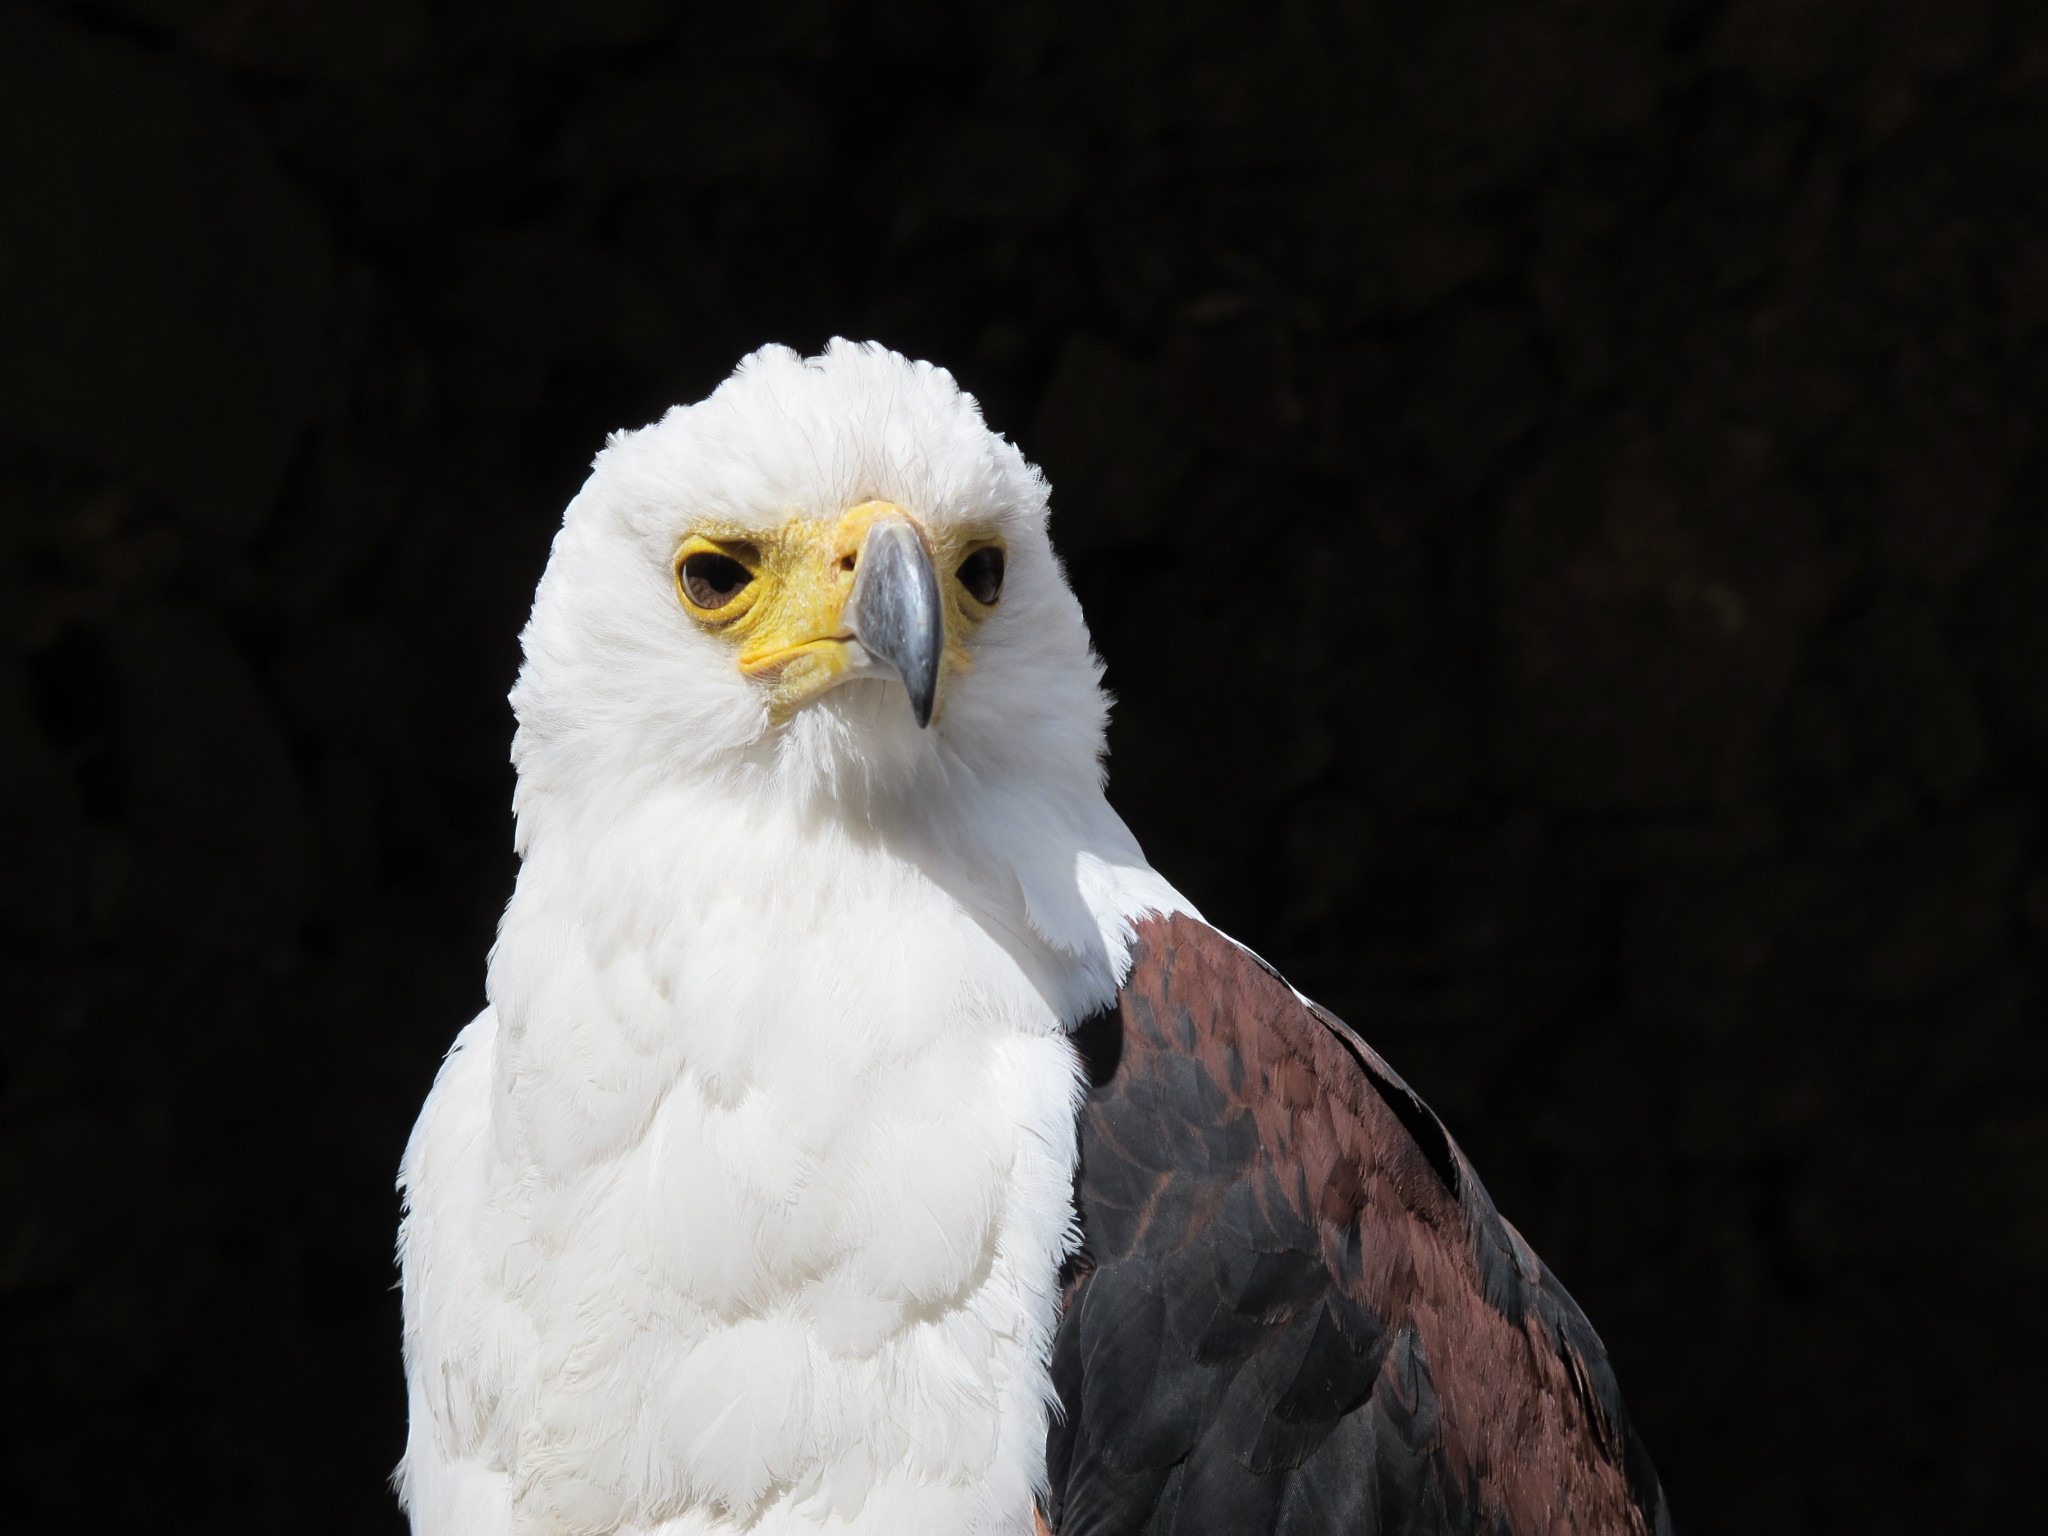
(741, 1205)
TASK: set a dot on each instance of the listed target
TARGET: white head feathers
(618, 681)
(623, 698)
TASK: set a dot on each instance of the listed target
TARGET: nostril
(846, 562)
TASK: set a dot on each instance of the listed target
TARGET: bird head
(829, 577)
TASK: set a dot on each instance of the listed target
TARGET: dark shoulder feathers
(1296, 1310)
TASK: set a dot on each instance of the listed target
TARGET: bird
(860, 1135)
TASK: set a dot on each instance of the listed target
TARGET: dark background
(1558, 488)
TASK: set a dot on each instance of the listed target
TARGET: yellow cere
(786, 621)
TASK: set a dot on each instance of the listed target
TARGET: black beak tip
(921, 682)
(921, 676)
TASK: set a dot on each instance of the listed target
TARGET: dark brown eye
(981, 573)
(711, 580)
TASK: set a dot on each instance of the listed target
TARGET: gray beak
(895, 612)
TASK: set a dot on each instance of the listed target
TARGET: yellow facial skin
(788, 626)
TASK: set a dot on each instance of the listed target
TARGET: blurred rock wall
(1558, 488)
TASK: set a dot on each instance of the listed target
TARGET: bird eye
(711, 580)
(981, 573)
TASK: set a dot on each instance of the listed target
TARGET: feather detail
(1295, 1309)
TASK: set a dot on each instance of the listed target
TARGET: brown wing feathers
(1296, 1310)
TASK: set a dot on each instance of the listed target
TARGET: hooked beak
(894, 610)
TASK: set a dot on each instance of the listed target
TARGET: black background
(1558, 488)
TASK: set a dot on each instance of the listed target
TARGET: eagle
(861, 1136)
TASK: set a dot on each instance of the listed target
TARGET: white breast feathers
(743, 1205)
